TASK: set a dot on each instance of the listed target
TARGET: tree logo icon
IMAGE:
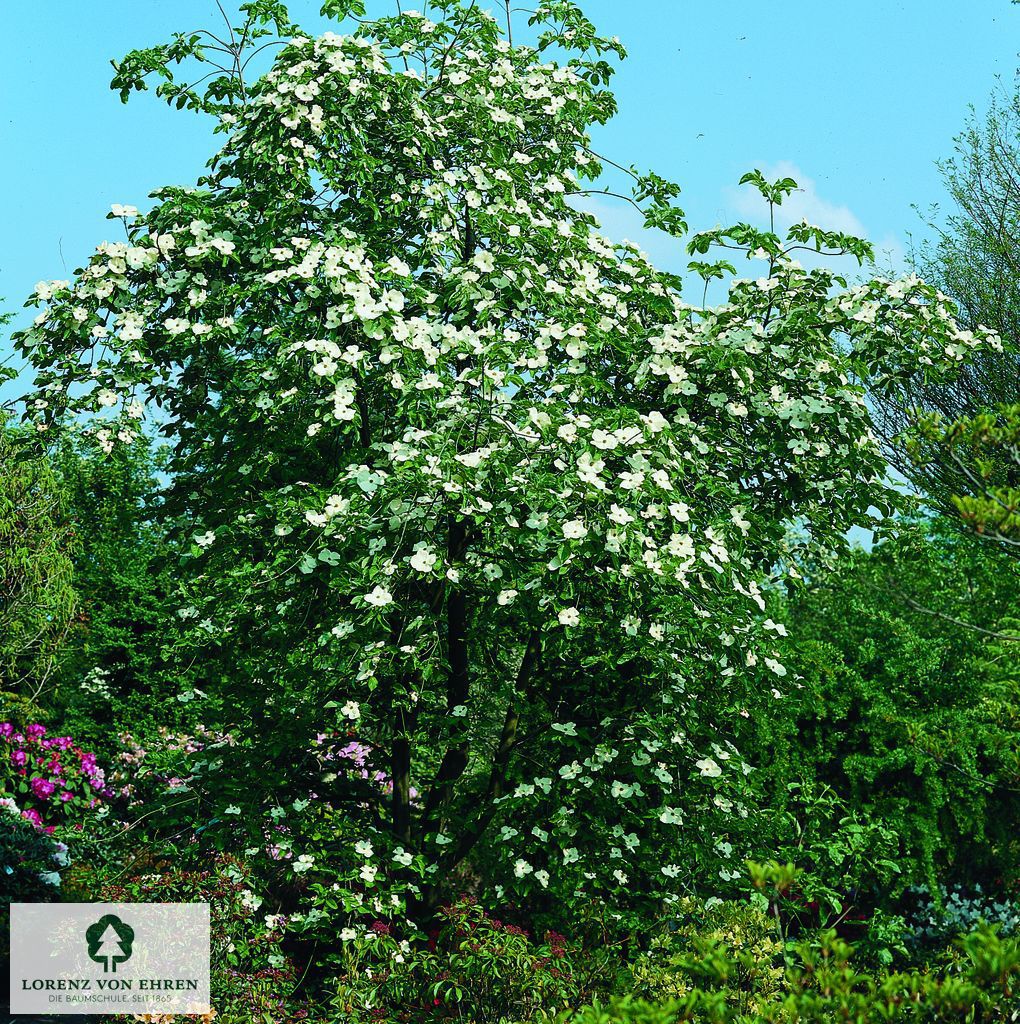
(109, 942)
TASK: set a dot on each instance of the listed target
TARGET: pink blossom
(42, 788)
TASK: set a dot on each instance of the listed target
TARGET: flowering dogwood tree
(477, 506)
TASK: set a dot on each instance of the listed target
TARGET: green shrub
(906, 708)
(822, 984)
(252, 978)
(19, 710)
(30, 862)
(475, 968)
(735, 944)
(38, 603)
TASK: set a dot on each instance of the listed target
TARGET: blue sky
(855, 100)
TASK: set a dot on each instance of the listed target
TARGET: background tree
(973, 258)
(114, 668)
(984, 450)
(38, 602)
(906, 657)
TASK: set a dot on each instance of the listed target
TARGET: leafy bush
(20, 710)
(905, 711)
(936, 919)
(164, 763)
(29, 858)
(253, 977)
(740, 935)
(38, 602)
(822, 984)
(475, 967)
(54, 779)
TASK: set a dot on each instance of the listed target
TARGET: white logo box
(85, 958)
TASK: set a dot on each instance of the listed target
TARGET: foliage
(38, 603)
(986, 449)
(166, 763)
(905, 711)
(973, 254)
(671, 968)
(114, 670)
(822, 983)
(252, 975)
(935, 919)
(972, 258)
(20, 710)
(475, 967)
(29, 859)
(54, 779)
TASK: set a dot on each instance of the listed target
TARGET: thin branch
(449, 49)
(606, 192)
(918, 607)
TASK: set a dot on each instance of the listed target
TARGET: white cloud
(806, 204)
(621, 222)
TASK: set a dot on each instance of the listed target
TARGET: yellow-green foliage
(20, 710)
(821, 985)
(732, 946)
(988, 447)
(37, 600)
